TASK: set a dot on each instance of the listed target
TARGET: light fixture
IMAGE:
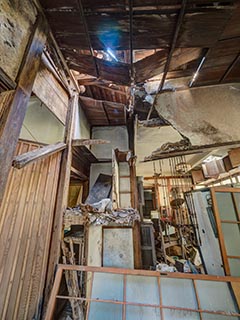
(197, 72)
(110, 52)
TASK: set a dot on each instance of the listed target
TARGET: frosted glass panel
(178, 293)
(215, 296)
(141, 313)
(231, 234)
(102, 311)
(225, 206)
(180, 315)
(237, 200)
(107, 286)
(142, 290)
(118, 248)
(208, 316)
(234, 267)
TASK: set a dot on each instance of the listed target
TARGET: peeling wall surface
(205, 115)
(16, 23)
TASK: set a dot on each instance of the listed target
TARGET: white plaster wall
(82, 127)
(118, 137)
(148, 140)
(40, 124)
(205, 115)
(95, 246)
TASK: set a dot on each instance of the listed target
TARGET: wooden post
(62, 197)
(13, 112)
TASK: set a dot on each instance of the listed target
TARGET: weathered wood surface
(26, 216)
(62, 196)
(51, 93)
(22, 160)
(88, 142)
(156, 155)
(12, 119)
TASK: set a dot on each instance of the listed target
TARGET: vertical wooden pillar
(133, 183)
(62, 197)
(13, 112)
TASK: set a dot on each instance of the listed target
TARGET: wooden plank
(62, 196)
(17, 106)
(22, 160)
(236, 290)
(47, 88)
(149, 273)
(101, 189)
(234, 156)
(88, 142)
(54, 292)
(137, 245)
(24, 236)
(158, 154)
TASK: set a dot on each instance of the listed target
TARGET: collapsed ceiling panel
(95, 37)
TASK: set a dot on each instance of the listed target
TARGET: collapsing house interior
(119, 159)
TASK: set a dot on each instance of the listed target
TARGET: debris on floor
(100, 213)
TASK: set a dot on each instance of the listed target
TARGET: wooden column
(15, 105)
(62, 197)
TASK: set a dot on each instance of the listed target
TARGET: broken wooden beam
(190, 150)
(88, 142)
(24, 159)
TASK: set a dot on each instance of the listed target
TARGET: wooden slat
(62, 195)
(88, 142)
(17, 106)
(24, 159)
(25, 227)
(51, 93)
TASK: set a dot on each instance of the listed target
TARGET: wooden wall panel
(51, 93)
(26, 217)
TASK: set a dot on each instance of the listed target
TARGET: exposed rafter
(173, 45)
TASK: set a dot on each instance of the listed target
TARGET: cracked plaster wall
(205, 115)
(16, 22)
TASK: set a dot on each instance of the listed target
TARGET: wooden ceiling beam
(88, 142)
(173, 45)
(190, 150)
(230, 68)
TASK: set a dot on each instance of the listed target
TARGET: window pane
(178, 293)
(234, 267)
(231, 234)
(142, 290)
(237, 200)
(225, 206)
(208, 316)
(100, 311)
(215, 296)
(141, 313)
(180, 315)
(107, 286)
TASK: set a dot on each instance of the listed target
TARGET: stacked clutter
(100, 213)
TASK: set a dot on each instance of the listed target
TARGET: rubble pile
(100, 213)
